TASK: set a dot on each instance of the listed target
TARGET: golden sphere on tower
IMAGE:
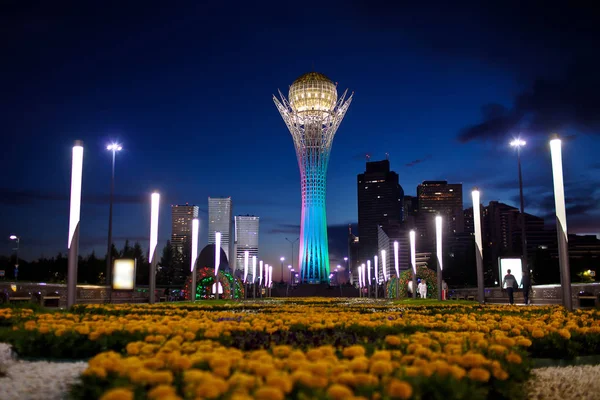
(312, 92)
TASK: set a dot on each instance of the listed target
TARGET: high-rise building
(380, 201)
(445, 199)
(353, 256)
(313, 113)
(181, 225)
(246, 240)
(220, 220)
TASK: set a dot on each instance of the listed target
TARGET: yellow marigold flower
(211, 389)
(564, 333)
(354, 351)
(524, 342)
(339, 392)
(412, 371)
(162, 391)
(161, 377)
(269, 393)
(398, 389)
(141, 376)
(281, 381)
(189, 336)
(359, 364)
(500, 374)
(381, 367)
(479, 374)
(457, 372)
(43, 329)
(392, 340)
(281, 351)
(537, 333)
(118, 394)
(132, 348)
(345, 378)
(364, 379)
(497, 349)
(514, 358)
(95, 371)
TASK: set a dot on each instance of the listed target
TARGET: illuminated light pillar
(266, 275)
(561, 222)
(152, 250)
(152, 256)
(397, 268)
(359, 276)
(270, 278)
(195, 234)
(246, 260)
(313, 113)
(384, 265)
(74, 214)
(478, 245)
(438, 245)
(253, 276)
(370, 281)
(376, 276)
(413, 262)
(217, 262)
(260, 272)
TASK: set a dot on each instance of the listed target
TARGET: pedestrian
(423, 289)
(444, 290)
(511, 284)
(526, 285)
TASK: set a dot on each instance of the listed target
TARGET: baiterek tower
(313, 112)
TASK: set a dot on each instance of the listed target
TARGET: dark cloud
(418, 161)
(20, 197)
(551, 105)
(286, 229)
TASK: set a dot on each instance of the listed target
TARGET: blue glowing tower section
(313, 113)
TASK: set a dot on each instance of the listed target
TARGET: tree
(166, 266)
(127, 251)
(142, 273)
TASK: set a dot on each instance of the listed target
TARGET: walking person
(511, 283)
(526, 285)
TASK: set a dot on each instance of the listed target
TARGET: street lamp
(292, 242)
(561, 222)
(348, 270)
(17, 240)
(478, 245)
(518, 143)
(153, 256)
(114, 147)
(282, 259)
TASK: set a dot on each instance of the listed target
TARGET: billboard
(123, 274)
(514, 264)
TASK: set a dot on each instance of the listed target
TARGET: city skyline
(443, 104)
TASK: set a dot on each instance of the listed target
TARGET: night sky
(187, 86)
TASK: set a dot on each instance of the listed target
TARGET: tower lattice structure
(313, 112)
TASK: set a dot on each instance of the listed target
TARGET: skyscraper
(181, 225)
(313, 113)
(380, 200)
(445, 199)
(246, 239)
(219, 220)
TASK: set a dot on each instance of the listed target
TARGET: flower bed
(312, 348)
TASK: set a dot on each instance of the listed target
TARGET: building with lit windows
(181, 225)
(220, 220)
(246, 239)
(380, 202)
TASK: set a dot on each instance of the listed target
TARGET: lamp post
(253, 277)
(413, 262)
(478, 245)
(114, 147)
(376, 266)
(195, 234)
(282, 259)
(518, 143)
(369, 280)
(348, 270)
(74, 214)
(153, 257)
(397, 268)
(561, 222)
(438, 245)
(292, 242)
(217, 262)
(16, 249)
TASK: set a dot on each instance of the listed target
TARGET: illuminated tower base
(313, 114)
